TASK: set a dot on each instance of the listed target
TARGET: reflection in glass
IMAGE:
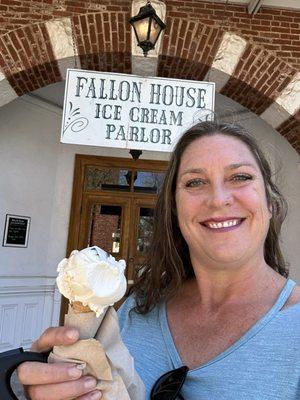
(148, 182)
(107, 179)
(105, 230)
(145, 229)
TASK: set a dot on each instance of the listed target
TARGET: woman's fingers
(63, 391)
(58, 381)
(35, 373)
(95, 395)
(55, 337)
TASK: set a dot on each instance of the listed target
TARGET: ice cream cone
(92, 280)
(78, 307)
(97, 281)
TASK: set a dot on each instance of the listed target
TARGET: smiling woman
(210, 293)
(212, 314)
(215, 168)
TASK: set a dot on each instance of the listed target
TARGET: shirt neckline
(173, 352)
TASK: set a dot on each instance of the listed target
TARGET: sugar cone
(78, 307)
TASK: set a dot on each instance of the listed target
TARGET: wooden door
(112, 207)
(122, 226)
(105, 222)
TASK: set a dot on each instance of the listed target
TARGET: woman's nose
(219, 197)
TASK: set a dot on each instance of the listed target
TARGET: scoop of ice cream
(92, 277)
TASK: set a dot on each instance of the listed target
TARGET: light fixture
(135, 153)
(147, 27)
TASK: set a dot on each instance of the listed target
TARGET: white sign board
(133, 112)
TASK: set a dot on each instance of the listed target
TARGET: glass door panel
(142, 224)
(105, 223)
(144, 230)
(120, 225)
(105, 227)
(115, 179)
(148, 182)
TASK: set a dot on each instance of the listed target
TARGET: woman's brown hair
(168, 262)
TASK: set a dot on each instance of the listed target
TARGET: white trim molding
(28, 305)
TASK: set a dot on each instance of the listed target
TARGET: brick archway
(37, 55)
(257, 81)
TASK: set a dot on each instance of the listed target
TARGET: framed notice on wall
(16, 231)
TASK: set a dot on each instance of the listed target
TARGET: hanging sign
(134, 112)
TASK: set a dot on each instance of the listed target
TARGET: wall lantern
(135, 154)
(147, 27)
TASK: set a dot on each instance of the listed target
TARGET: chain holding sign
(132, 112)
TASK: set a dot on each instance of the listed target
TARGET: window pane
(148, 182)
(145, 229)
(105, 230)
(107, 179)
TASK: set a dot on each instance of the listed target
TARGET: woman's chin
(226, 260)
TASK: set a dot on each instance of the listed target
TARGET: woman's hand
(59, 381)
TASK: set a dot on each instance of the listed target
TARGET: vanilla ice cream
(92, 277)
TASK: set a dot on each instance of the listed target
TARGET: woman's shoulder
(294, 297)
(297, 292)
(126, 308)
(128, 304)
(128, 311)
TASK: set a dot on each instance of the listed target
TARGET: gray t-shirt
(264, 364)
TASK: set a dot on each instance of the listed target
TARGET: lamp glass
(154, 31)
(142, 27)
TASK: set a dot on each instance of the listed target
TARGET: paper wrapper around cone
(105, 356)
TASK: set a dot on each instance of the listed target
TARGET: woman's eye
(241, 177)
(194, 183)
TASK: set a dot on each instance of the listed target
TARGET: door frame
(83, 161)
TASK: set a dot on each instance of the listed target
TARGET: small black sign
(16, 231)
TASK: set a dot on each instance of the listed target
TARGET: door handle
(131, 259)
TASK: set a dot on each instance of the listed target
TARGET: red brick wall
(17, 13)
(26, 57)
(102, 229)
(276, 29)
(258, 79)
(104, 41)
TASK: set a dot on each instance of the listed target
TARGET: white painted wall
(36, 181)
(37, 173)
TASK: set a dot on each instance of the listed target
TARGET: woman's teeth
(224, 224)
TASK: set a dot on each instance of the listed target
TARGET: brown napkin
(105, 357)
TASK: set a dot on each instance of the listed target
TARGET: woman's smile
(222, 224)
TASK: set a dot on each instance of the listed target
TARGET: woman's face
(221, 202)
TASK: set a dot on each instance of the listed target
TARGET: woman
(214, 294)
